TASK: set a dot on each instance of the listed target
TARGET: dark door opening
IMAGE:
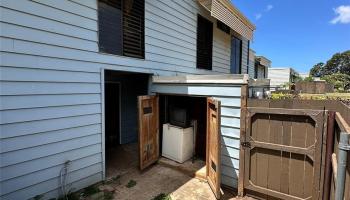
(112, 102)
(121, 120)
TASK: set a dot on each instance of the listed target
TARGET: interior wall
(132, 85)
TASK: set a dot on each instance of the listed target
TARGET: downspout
(344, 149)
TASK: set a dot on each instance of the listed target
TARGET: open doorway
(194, 122)
(121, 120)
(182, 132)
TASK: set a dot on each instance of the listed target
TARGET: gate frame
(318, 155)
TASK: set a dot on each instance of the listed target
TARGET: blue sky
(298, 33)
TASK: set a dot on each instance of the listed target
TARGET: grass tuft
(108, 195)
(131, 184)
(92, 189)
(162, 196)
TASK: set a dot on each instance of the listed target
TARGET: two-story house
(72, 71)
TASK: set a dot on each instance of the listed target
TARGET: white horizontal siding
(245, 50)
(37, 114)
(27, 141)
(17, 101)
(20, 169)
(51, 85)
(251, 64)
(12, 185)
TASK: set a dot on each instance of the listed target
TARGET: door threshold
(196, 169)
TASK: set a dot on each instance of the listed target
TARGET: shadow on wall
(229, 161)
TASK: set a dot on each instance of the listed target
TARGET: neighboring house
(70, 68)
(259, 84)
(251, 69)
(281, 76)
(262, 65)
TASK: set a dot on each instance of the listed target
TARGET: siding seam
(28, 13)
(95, 154)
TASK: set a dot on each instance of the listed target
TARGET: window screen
(204, 43)
(121, 27)
(236, 55)
(110, 26)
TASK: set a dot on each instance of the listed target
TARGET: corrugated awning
(224, 11)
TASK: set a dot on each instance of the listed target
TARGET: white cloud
(343, 15)
(258, 16)
(268, 8)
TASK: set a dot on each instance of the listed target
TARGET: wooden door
(148, 130)
(283, 153)
(213, 162)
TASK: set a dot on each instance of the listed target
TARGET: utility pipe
(344, 149)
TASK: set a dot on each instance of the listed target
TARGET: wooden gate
(283, 153)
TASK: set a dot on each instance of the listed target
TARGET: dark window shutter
(236, 56)
(204, 43)
(110, 24)
(248, 57)
(122, 27)
(220, 25)
(133, 28)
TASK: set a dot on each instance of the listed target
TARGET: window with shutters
(220, 25)
(236, 55)
(204, 43)
(121, 27)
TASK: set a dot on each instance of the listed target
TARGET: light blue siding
(50, 89)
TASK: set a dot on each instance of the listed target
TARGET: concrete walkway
(167, 177)
(161, 179)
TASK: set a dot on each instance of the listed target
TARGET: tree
(336, 71)
(308, 79)
(317, 70)
(298, 78)
(340, 81)
(339, 63)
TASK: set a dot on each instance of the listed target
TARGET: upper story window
(204, 43)
(236, 55)
(121, 27)
(220, 25)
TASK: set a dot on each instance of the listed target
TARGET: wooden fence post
(244, 99)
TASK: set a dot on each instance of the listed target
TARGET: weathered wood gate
(282, 153)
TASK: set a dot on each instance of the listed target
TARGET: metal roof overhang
(199, 85)
(224, 11)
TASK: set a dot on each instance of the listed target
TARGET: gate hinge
(246, 144)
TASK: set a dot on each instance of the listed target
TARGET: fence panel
(283, 153)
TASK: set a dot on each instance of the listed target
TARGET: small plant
(92, 189)
(108, 195)
(131, 184)
(162, 196)
(70, 196)
(281, 96)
